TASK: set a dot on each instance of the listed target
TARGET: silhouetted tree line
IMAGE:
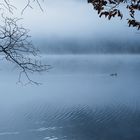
(112, 8)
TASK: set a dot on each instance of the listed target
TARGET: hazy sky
(73, 21)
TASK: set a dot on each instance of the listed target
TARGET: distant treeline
(83, 47)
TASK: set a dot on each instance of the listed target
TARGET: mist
(74, 27)
(91, 91)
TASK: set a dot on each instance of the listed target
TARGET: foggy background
(79, 98)
(74, 27)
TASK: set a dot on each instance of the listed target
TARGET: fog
(91, 91)
(74, 75)
(77, 99)
(74, 27)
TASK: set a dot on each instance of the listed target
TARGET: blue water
(78, 100)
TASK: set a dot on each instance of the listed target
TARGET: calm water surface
(79, 100)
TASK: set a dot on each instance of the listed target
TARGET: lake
(83, 97)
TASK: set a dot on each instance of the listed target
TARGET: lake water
(78, 100)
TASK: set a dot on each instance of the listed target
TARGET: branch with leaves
(111, 8)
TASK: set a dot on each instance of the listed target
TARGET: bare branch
(6, 5)
(17, 48)
(29, 3)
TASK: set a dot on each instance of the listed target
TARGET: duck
(113, 74)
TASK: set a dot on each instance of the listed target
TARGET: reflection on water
(79, 100)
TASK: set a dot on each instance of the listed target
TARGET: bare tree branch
(6, 5)
(29, 3)
(15, 43)
(16, 47)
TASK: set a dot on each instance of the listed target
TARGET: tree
(16, 46)
(112, 8)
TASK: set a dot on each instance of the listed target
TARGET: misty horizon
(82, 81)
(73, 27)
(77, 46)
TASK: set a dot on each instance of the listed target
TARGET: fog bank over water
(99, 46)
(78, 100)
(74, 27)
(82, 96)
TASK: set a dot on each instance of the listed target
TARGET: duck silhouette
(113, 74)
